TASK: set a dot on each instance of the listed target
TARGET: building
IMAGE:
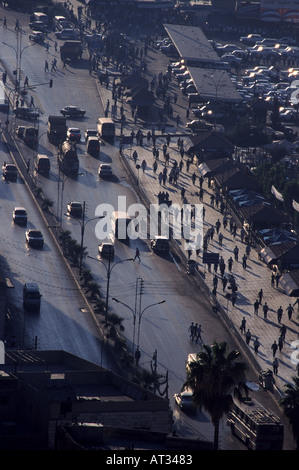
(43, 390)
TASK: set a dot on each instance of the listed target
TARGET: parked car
(72, 111)
(66, 34)
(74, 134)
(198, 124)
(37, 36)
(75, 209)
(34, 238)
(19, 216)
(10, 172)
(105, 170)
(26, 113)
(160, 244)
(185, 401)
(251, 39)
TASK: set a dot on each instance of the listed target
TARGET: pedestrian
(265, 310)
(247, 249)
(143, 165)
(215, 281)
(274, 348)
(28, 165)
(260, 296)
(275, 366)
(248, 336)
(243, 325)
(46, 66)
(280, 343)
(137, 356)
(191, 329)
(137, 254)
(218, 225)
(224, 282)
(277, 277)
(283, 330)
(194, 178)
(4, 22)
(236, 253)
(230, 264)
(279, 314)
(256, 345)
(256, 307)
(272, 279)
(64, 64)
(290, 310)
(183, 191)
(244, 260)
(220, 238)
(234, 298)
(198, 333)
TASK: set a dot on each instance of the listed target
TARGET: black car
(75, 209)
(20, 131)
(34, 238)
(26, 113)
(10, 171)
(72, 111)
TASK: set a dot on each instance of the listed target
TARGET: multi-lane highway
(64, 321)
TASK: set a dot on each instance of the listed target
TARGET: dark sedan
(72, 111)
(26, 113)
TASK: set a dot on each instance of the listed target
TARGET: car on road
(37, 36)
(160, 244)
(34, 238)
(184, 400)
(75, 209)
(66, 34)
(199, 124)
(31, 296)
(90, 133)
(38, 26)
(72, 111)
(19, 215)
(105, 170)
(26, 113)
(251, 39)
(73, 134)
(107, 250)
(10, 172)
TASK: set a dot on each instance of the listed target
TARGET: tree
(290, 404)
(213, 377)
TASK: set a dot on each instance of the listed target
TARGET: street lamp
(83, 225)
(140, 316)
(109, 269)
(134, 319)
(216, 84)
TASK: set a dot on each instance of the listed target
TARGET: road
(62, 324)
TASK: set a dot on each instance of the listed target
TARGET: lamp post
(140, 317)
(108, 270)
(83, 225)
(216, 84)
(134, 319)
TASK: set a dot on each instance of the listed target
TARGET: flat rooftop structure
(192, 44)
(214, 84)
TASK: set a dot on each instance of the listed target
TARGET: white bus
(106, 129)
(119, 225)
(258, 427)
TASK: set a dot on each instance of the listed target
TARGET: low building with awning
(283, 255)
(289, 282)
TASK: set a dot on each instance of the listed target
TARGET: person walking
(46, 66)
(280, 343)
(274, 348)
(192, 330)
(290, 310)
(244, 261)
(256, 345)
(279, 314)
(230, 264)
(248, 336)
(283, 331)
(137, 255)
(243, 325)
(265, 310)
(275, 366)
(256, 307)
(224, 283)
(28, 165)
(260, 296)
(198, 333)
(236, 253)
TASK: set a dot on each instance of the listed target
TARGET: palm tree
(290, 404)
(213, 377)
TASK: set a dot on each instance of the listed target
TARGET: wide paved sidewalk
(249, 281)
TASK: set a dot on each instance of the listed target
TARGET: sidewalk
(256, 276)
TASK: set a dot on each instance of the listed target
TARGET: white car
(74, 134)
(185, 401)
